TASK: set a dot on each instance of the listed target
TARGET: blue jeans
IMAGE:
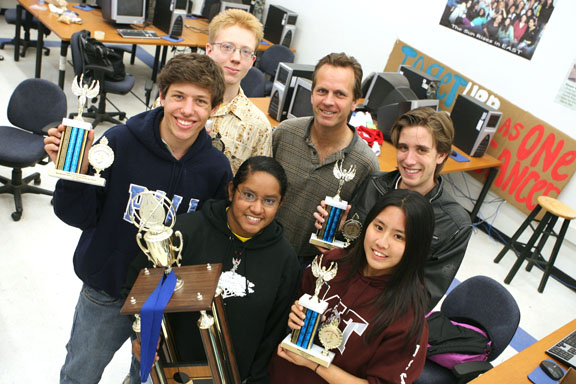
(98, 331)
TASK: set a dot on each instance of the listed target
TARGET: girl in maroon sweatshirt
(377, 299)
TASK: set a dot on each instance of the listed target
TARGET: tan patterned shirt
(245, 130)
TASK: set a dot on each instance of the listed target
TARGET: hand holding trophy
(74, 140)
(325, 237)
(301, 340)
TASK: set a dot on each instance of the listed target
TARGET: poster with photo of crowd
(513, 25)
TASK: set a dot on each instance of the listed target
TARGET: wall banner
(537, 159)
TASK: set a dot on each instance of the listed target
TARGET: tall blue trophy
(325, 237)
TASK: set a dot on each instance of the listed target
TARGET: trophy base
(86, 179)
(315, 353)
(314, 240)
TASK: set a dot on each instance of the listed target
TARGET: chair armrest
(120, 48)
(467, 371)
(98, 68)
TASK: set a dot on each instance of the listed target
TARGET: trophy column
(326, 236)
(301, 341)
(74, 139)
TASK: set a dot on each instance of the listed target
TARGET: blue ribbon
(151, 321)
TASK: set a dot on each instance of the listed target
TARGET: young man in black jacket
(423, 140)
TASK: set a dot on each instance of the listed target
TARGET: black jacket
(256, 310)
(452, 229)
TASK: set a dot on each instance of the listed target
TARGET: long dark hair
(406, 287)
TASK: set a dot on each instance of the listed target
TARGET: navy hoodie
(142, 162)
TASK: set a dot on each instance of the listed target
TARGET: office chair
(269, 63)
(487, 303)
(122, 87)
(253, 84)
(34, 105)
(27, 22)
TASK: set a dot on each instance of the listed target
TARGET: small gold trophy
(73, 142)
(302, 341)
(154, 216)
(325, 237)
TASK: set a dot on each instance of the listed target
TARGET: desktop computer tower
(169, 16)
(475, 123)
(277, 19)
(283, 86)
(424, 86)
(287, 35)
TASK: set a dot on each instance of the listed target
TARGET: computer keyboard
(138, 34)
(565, 350)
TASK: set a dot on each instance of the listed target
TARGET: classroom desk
(516, 369)
(387, 160)
(195, 34)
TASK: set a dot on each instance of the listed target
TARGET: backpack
(453, 342)
(96, 53)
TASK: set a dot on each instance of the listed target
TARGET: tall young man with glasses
(234, 36)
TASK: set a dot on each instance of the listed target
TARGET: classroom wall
(368, 29)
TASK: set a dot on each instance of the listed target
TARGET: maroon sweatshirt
(387, 359)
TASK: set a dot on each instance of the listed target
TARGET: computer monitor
(124, 11)
(224, 5)
(389, 113)
(301, 104)
(424, 86)
(387, 88)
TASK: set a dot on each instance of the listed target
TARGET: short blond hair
(238, 17)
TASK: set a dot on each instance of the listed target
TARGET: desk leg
(17, 32)
(39, 46)
(492, 172)
(156, 62)
(62, 64)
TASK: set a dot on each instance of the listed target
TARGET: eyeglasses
(229, 49)
(251, 198)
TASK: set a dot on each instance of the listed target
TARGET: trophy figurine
(301, 341)
(154, 216)
(325, 237)
(74, 139)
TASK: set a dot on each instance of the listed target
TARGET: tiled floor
(38, 287)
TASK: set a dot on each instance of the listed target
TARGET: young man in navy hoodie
(165, 150)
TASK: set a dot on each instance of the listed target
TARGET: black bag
(452, 342)
(96, 53)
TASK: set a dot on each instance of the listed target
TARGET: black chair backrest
(274, 55)
(253, 83)
(76, 50)
(36, 103)
(487, 302)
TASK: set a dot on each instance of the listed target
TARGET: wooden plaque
(198, 279)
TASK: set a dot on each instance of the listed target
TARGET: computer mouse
(552, 369)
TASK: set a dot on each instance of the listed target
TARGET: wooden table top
(195, 33)
(516, 369)
(387, 158)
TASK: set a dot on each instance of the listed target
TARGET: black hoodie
(257, 320)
